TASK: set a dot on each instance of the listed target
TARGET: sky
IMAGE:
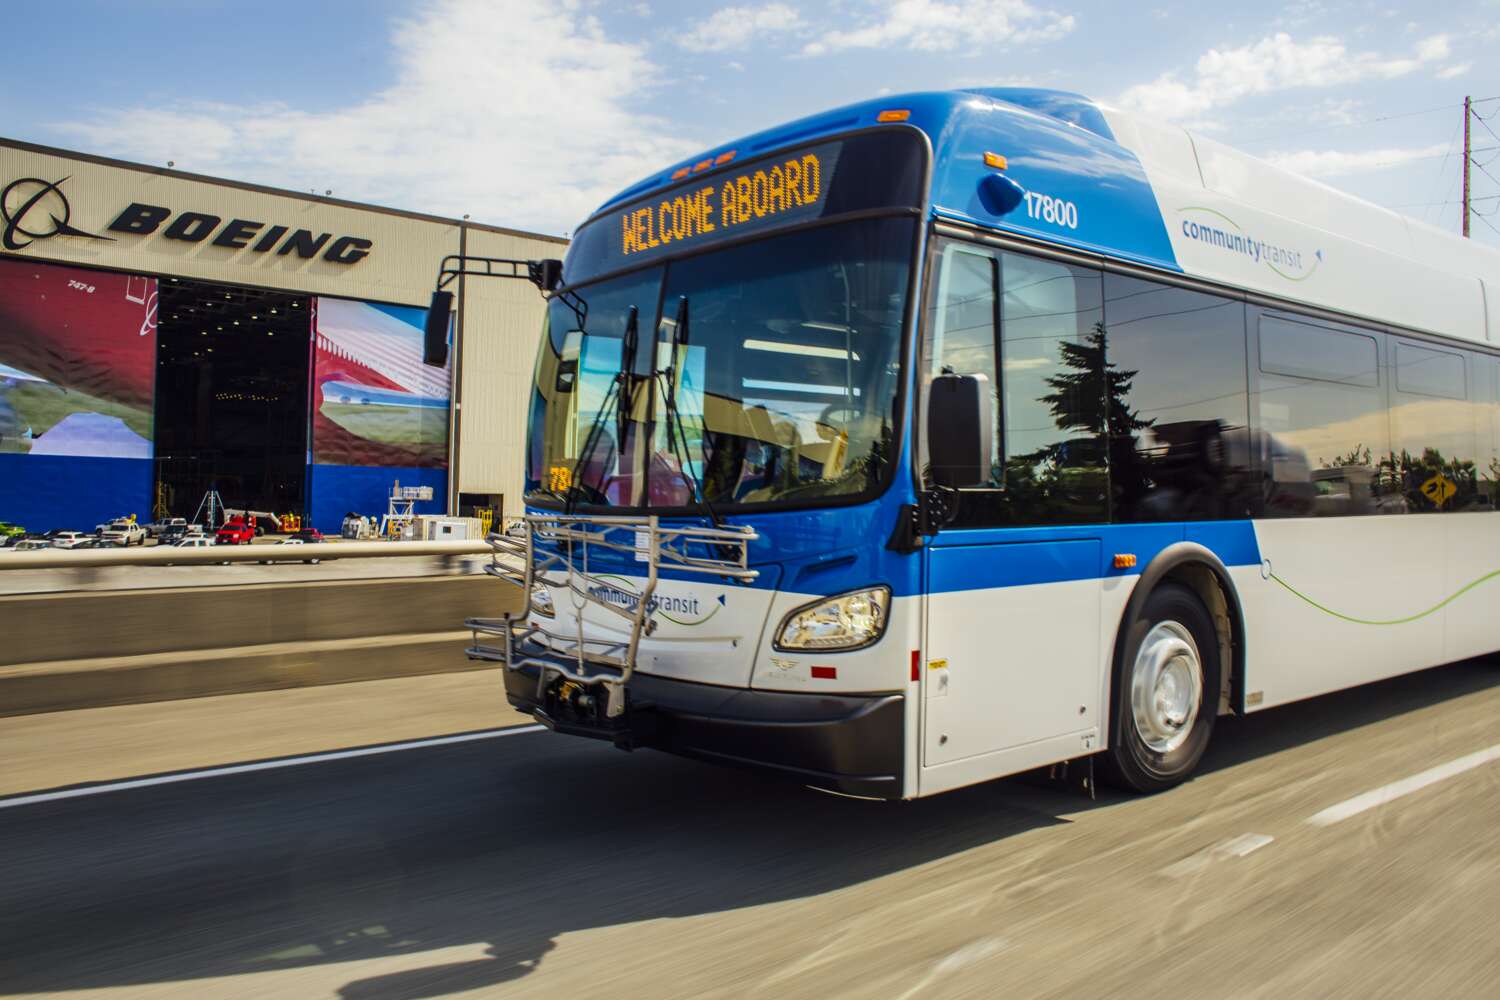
(528, 114)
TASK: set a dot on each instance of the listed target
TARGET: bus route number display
(777, 191)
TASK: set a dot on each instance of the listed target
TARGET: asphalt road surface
(1326, 850)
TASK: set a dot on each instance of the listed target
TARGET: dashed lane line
(264, 765)
(1388, 793)
(1234, 847)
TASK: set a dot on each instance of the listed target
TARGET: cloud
(735, 27)
(1330, 163)
(941, 26)
(1454, 71)
(524, 117)
(1279, 62)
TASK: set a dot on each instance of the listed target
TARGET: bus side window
(1178, 406)
(963, 324)
(1323, 436)
(1434, 452)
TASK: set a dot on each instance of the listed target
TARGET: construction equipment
(212, 508)
(401, 511)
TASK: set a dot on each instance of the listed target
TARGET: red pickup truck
(238, 530)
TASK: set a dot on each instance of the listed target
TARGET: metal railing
(554, 553)
(171, 555)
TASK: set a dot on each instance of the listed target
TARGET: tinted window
(1292, 348)
(1425, 372)
(962, 325)
(1050, 466)
(1489, 465)
(1434, 455)
(1053, 371)
(1178, 405)
(1323, 434)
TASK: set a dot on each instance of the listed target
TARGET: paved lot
(535, 865)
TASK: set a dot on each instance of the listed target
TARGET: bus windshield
(785, 388)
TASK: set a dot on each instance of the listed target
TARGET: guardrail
(211, 554)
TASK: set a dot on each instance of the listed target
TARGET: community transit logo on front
(685, 609)
(1218, 230)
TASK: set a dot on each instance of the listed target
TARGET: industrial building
(164, 334)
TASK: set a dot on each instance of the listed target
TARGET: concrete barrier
(65, 651)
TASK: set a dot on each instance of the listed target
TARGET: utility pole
(1468, 116)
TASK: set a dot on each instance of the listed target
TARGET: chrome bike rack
(553, 551)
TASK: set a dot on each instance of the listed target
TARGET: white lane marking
(1387, 793)
(1234, 847)
(970, 953)
(265, 765)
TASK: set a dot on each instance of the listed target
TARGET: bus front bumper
(843, 743)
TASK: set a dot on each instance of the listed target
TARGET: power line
(1450, 201)
(1368, 121)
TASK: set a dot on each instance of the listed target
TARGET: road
(534, 865)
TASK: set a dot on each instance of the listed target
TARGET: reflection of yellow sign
(1439, 489)
(561, 479)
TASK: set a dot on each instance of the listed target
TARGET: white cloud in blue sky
(529, 112)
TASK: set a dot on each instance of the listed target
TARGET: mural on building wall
(77, 361)
(374, 402)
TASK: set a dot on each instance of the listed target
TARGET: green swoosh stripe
(1391, 621)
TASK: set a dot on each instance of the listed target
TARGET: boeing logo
(35, 209)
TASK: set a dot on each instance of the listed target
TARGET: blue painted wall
(42, 492)
(335, 490)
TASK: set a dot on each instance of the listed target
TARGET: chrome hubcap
(1166, 687)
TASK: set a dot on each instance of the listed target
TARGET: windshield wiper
(674, 417)
(619, 392)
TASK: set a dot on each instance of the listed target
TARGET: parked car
(69, 539)
(156, 529)
(299, 539)
(176, 530)
(8, 530)
(238, 530)
(309, 535)
(32, 544)
(192, 542)
(123, 533)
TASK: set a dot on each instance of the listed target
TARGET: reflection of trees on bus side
(1153, 470)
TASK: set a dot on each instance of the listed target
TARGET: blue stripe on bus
(835, 551)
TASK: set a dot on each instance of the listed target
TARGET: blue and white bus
(952, 435)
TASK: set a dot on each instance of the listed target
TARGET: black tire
(1131, 762)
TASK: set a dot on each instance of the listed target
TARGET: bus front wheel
(1165, 692)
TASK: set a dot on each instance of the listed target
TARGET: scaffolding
(401, 510)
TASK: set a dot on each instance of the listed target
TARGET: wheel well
(1197, 568)
(1223, 610)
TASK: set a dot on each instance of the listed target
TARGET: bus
(948, 436)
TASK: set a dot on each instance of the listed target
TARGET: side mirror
(435, 332)
(960, 429)
(547, 274)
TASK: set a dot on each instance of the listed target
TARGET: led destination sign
(772, 191)
(878, 169)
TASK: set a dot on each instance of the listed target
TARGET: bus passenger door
(1012, 646)
(1014, 575)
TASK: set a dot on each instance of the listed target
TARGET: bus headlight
(849, 621)
(541, 601)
